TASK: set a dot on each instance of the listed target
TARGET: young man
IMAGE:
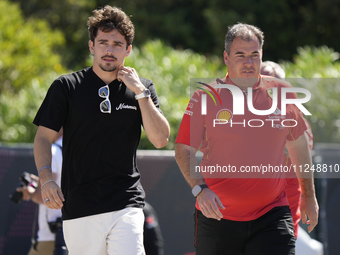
(235, 213)
(101, 109)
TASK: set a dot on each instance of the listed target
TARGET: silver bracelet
(46, 182)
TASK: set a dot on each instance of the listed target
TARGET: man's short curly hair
(108, 18)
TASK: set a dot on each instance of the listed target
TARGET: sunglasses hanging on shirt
(105, 106)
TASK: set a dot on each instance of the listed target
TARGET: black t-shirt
(99, 171)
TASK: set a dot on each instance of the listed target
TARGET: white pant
(118, 232)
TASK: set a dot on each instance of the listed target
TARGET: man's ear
(91, 46)
(225, 57)
(128, 51)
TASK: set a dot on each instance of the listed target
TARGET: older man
(237, 214)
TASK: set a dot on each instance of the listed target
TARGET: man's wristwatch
(198, 189)
(145, 93)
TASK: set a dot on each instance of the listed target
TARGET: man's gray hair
(245, 32)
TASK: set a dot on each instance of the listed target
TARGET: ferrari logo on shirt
(270, 92)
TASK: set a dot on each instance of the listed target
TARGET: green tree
(67, 16)
(197, 24)
(27, 66)
(318, 70)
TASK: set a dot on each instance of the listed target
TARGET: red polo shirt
(240, 145)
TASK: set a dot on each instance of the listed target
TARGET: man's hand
(131, 79)
(207, 200)
(310, 208)
(209, 204)
(53, 193)
(155, 124)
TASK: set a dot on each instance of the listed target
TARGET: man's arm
(207, 200)
(43, 157)
(155, 124)
(300, 155)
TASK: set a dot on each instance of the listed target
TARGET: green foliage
(68, 16)
(19, 109)
(318, 70)
(29, 61)
(313, 62)
(171, 70)
(26, 48)
(198, 25)
(26, 65)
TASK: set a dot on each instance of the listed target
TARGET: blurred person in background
(305, 245)
(153, 239)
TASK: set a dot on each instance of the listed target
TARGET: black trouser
(271, 234)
